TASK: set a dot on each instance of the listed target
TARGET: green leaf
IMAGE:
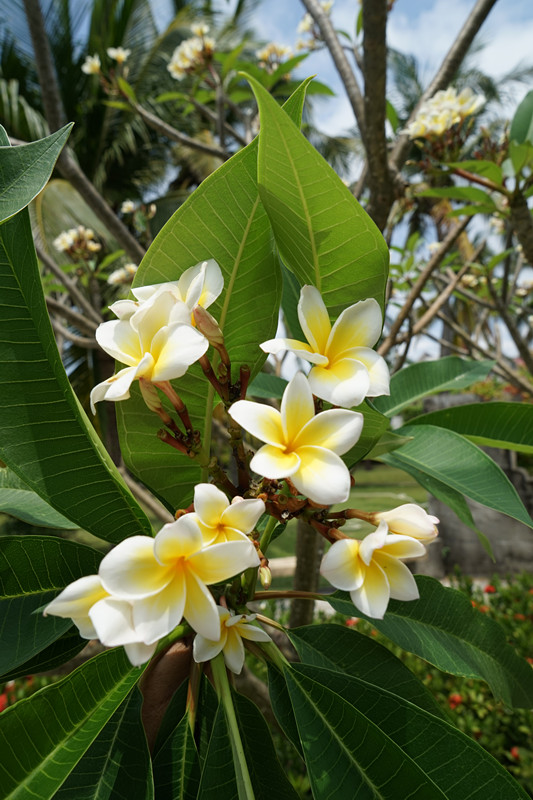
(267, 386)
(223, 219)
(126, 89)
(44, 736)
(19, 501)
(374, 426)
(289, 304)
(173, 714)
(176, 765)
(59, 652)
(281, 706)
(218, 780)
(428, 377)
(444, 628)
(25, 169)
(452, 761)
(338, 648)
(487, 169)
(33, 570)
(456, 462)
(347, 755)
(522, 122)
(117, 765)
(392, 116)
(505, 425)
(45, 437)
(470, 193)
(520, 155)
(311, 211)
(386, 443)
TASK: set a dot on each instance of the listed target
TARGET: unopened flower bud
(150, 395)
(208, 325)
(265, 576)
(408, 520)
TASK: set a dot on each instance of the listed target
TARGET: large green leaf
(427, 377)
(338, 648)
(25, 169)
(45, 437)
(176, 765)
(117, 765)
(21, 502)
(347, 755)
(488, 169)
(43, 737)
(59, 652)
(470, 193)
(506, 425)
(522, 123)
(454, 762)
(375, 424)
(223, 219)
(33, 570)
(461, 465)
(322, 233)
(444, 628)
(218, 780)
(289, 304)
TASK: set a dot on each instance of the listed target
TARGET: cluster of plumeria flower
(442, 111)
(92, 64)
(147, 587)
(193, 53)
(272, 55)
(307, 25)
(123, 275)
(78, 241)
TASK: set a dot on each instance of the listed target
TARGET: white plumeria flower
(306, 24)
(199, 28)
(91, 65)
(371, 569)
(118, 54)
(409, 520)
(218, 520)
(198, 285)
(64, 241)
(75, 602)
(127, 207)
(345, 369)
(155, 340)
(166, 578)
(233, 629)
(301, 446)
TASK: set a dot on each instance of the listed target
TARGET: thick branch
(375, 72)
(340, 60)
(77, 296)
(446, 71)
(176, 136)
(212, 117)
(72, 315)
(89, 343)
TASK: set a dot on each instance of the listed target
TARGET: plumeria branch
(77, 296)
(157, 124)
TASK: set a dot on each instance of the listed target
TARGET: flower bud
(408, 520)
(208, 325)
(265, 576)
(150, 395)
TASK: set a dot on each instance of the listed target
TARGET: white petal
(139, 653)
(158, 615)
(342, 567)
(378, 371)
(115, 388)
(273, 463)
(182, 347)
(300, 349)
(344, 383)
(244, 515)
(130, 570)
(262, 421)
(218, 562)
(124, 309)
(372, 598)
(337, 430)
(205, 649)
(403, 546)
(209, 503)
(314, 319)
(200, 609)
(373, 542)
(213, 283)
(410, 520)
(77, 598)
(322, 476)
(119, 340)
(234, 652)
(179, 539)
(113, 622)
(151, 317)
(297, 407)
(252, 632)
(401, 581)
(85, 627)
(358, 326)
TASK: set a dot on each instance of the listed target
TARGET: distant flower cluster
(93, 65)
(123, 275)
(272, 54)
(307, 26)
(77, 240)
(192, 53)
(442, 111)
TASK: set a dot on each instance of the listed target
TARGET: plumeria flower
(299, 445)
(218, 520)
(91, 65)
(166, 578)
(64, 241)
(199, 28)
(371, 569)
(118, 54)
(233, 629)
(345, 369)
(198, 285)
(409, 520)
(154, 340)
(127, 207)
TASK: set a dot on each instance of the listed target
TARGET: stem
(274, 654)
(178, 404)
(207, 369)
(287, 595)
(267, 534)
(192, 693)
(220, 677)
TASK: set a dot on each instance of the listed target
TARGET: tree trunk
(309, 548)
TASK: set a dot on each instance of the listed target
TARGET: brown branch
(446, 71)
(340, 60)
(73, 316)
(176, 136)
(433, 263)
(81, 341)
(522, 223)
(77, 296)
(212, 117)
(375, 72)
